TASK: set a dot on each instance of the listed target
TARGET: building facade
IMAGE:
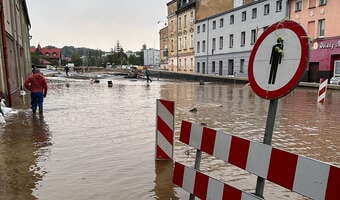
(185, 33)
(164, 51)
(320, 20)
(151, 57)
(172, 35)
(15, 63)
(223, 42)
(48, 56)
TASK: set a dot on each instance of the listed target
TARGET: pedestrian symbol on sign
(275, 59)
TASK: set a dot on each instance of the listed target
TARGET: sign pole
(267, 139)
(197, 167)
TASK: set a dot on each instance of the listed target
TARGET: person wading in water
(37, 84)
(275, 60)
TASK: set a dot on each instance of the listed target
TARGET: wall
(172, 34)
(163, 35)
(207, 8)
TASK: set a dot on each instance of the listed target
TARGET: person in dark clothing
(67, 70)
(37, 84)
(147, 74)
(275, 60)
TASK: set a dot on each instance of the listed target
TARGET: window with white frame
(198, 47)
(179, 22)
(198, 67)
(203, 46)
(214, 25)
(221, 22)
(185, 42)
(266, 9)
(232, 19)
(185, 21)
(254, 13)
(244, 16)
(241, 65)
(231, 40)
(298, 5)
(214, 44)
(213, 66)
(243, 38)
(321, 28)
(203, 27)
(278, 5)
(221, 43)
(198, 29)
(253, 36)
(179, 43)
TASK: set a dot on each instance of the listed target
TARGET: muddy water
(95, 142)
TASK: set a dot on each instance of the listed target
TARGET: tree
(35, 57)
(76, 59)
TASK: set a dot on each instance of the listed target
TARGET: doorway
(313, 73)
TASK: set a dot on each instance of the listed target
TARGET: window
(221, 22)
(185, 42)
(180, 63)
(243, 38)
(191, 64)
(221, 43)
(253, 36)
(244, 16)
(322, 2)
(179, 23)
(198, 67)
(203, 28)
(213, 44)
(179, 43)
(203, 67)
(198, 29)
(231, 40)
(185, 21)
(279, 6)
(298, 5)
(198, 47)
(311, 3)
(172, 45)
(266, 9)
(203, 46)
(214, 25)
(232, 19)
(254, 13)
(220, 68)
(321, 28)
(213, 67)
(192, 41)
(241, 65)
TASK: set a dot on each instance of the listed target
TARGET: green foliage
(35, 58)
(75, 58)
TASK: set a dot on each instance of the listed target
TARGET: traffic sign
(278, 60)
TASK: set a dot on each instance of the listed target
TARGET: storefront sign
(329, 44)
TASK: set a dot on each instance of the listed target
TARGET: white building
(151, 57)
(224, 41)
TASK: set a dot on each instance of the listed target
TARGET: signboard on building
(278, 60)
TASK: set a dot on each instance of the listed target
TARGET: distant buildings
(15, 58)
(164, 51)
(151, 57)
(48, 56)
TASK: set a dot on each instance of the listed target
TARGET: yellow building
(185, 26)
(172, 36)
(164, 51)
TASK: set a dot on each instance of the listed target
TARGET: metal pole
(197, 167)
(267, 140)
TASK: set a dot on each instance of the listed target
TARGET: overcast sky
(97, 23)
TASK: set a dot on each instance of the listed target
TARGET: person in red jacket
(37, 84)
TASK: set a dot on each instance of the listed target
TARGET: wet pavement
(96, 142)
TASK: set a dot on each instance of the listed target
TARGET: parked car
(335, 81)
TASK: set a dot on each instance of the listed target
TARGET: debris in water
(193, 110)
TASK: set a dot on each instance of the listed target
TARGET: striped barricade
(322, 90)
(308, 177)
(165, 129)
(205, 187)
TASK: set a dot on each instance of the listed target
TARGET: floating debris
(193, 110)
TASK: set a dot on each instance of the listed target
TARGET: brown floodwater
(95, 142)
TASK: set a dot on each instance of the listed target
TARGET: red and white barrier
(165, 129)
(205, 187)
(311, 178)
(322, 90)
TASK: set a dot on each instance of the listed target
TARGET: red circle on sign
(284, 90)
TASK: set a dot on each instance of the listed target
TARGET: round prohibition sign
(278, 60)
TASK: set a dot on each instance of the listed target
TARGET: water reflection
(164, 188)
(24, 142)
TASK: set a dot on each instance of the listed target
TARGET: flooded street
(95, 142)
